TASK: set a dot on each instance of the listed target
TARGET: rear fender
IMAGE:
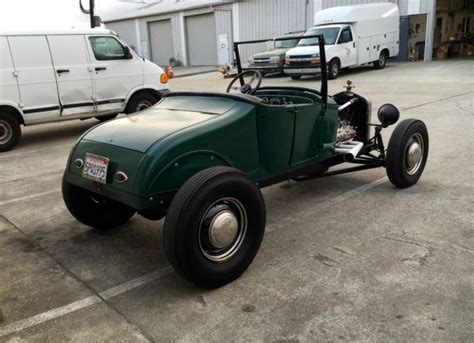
(170, 178)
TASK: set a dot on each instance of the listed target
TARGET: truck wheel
(140, 102)
(407, 153)
(94, 210)
(106, 118)
(382, 61)
(10, 131)
(214, 226)
(333, 69)
(295, 77)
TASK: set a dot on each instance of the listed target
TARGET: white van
(354, 35)
(76, 74)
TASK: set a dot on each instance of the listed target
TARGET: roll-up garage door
(201, 39)
(161, 41)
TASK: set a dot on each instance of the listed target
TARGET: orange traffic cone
(169, 72)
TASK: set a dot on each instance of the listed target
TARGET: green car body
(200, 159)
(162, 147)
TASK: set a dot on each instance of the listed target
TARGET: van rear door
(113, 72)
(36, 77)
(73, 72)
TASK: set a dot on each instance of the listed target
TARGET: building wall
(252, 19)
(261, 19)
(126, 30)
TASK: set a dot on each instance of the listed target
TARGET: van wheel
(295, 77)
(382, 61)
(140, 102)
(333, 69)
(10, 131)
(106, 118)
(214, 226)
(93, 209)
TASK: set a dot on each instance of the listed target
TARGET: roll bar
(322, 57)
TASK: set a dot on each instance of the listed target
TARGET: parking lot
(344, 258)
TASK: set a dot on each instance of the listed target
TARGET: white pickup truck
(75, 74)
(354, 35)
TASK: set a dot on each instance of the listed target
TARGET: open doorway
(416, 37)
(453, 30)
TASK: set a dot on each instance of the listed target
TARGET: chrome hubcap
(222, 229)
(143, 105)
(334, 69)
(5, 132)
(414, 154)
(382, 59)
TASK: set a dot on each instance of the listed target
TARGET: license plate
(95, 168)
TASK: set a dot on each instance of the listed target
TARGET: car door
(115, 72)
(73, 72)
(36, 77)
(348, 47)
(307, 134)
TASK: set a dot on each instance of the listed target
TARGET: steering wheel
(246, 88)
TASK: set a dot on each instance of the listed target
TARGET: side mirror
(126, 51)
(388, 114)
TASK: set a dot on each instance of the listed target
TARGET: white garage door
(161, 41)
(201, 39)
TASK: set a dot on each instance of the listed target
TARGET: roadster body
(200, 159)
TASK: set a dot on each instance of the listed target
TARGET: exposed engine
(354, 114)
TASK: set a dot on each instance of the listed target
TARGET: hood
(271, 53)
(303, 50)
(141, 130)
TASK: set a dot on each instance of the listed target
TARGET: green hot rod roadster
(200, 159)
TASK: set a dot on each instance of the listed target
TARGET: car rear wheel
(295, 77)
(10, 131)
(214, 226)
(407, 153)
(93, 209)
(140, 102)
(382, 61)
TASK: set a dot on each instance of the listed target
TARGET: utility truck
(354, 35)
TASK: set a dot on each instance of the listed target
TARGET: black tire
(382, 61)
(333, 69)
(106, 118)
(10, 131)
(295, 77)
(140, 102)
(187, 229)
(94, 210)
(402, 170)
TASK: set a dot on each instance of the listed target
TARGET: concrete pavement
(344, 258)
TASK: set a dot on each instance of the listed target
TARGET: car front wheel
(407, 153)
(333, 69)
(214, 226)
(93, 209)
